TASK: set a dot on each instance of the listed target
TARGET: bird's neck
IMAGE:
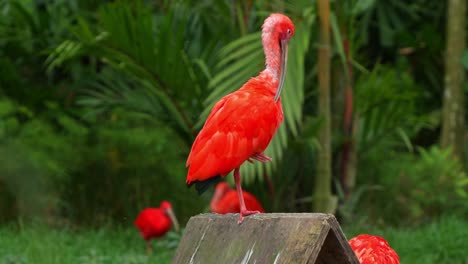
(272, 50)
(214, 204)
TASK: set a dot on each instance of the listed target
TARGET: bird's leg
(149, 249)
(261, 157)
(243, 209)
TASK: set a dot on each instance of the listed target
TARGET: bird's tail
(202, 186)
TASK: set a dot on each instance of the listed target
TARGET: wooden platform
(264, 238)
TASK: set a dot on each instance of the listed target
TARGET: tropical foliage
(100, 102)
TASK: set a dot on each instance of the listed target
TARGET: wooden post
(264, 238)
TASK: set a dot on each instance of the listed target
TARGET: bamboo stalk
(324, 201)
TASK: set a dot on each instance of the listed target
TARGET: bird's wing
(213, 112)
(229, 203)
(252, 203)
(239, 125)
(147, 222)
(373, 249)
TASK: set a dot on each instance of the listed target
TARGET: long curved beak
(284, 62)
(174, 221)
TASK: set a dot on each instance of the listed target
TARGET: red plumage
(242, 124)
(371, 249)
(154, 222)
(226, 200)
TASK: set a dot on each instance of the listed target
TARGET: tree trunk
(324, 201)
(453, 101)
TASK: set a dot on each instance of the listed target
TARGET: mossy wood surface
(264, 238)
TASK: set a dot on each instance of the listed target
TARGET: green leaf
(338, 42)
(464, 59)
(362, 5)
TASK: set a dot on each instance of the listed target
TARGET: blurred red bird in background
(371, 249)
(226, 200)
(242, 124)
(156, 222)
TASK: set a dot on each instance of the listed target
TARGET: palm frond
(386, 107)
(148, 49)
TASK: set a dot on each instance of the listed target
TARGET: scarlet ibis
(242, 124)
(371, 249)
(225, 200)
(156, 222)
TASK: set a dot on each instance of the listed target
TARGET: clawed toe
(246, 213)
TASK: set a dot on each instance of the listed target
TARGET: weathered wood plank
(264, 238)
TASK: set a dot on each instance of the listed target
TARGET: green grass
(443, 241)
(41, 245)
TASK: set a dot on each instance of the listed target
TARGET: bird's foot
(246, 213)
(261, 157)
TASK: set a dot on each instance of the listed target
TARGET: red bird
(242, 124)
(225, 200)
(156, 222)
(373, 250)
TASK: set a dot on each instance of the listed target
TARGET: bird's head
(277, 30)
(167, 208)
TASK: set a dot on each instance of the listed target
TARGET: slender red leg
(149, 249)
(243, 209)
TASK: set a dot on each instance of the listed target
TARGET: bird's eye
(289, 31)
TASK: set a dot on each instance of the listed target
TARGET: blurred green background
(100, 102)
